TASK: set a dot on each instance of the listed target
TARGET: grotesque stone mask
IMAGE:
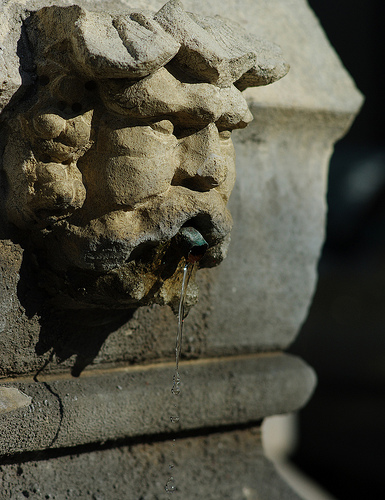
(124, 139)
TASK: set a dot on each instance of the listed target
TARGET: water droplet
(176, 384)
(174, 419)
(170, 485)
(187, 271)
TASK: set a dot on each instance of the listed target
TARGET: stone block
(218, 466)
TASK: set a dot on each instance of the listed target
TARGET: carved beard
(83, 271)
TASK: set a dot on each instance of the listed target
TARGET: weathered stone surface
(105, 46)
(273, 201)
(137, 401)
(134, 44)
(279, 200)
(220, 51)
(217, 466)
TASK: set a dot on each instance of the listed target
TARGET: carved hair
(135, 45)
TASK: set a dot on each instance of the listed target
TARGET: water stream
(176, 381)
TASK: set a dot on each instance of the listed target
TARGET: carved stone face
(103, 172)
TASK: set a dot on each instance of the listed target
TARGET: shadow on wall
(342, 435)
(65, 332)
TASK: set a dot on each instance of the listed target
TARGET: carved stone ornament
(124, 138)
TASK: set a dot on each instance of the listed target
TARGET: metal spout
(192, 243)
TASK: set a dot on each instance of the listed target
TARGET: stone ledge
(136, 401)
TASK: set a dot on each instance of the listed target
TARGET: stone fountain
(119, 128)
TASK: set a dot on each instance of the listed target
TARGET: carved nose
(213, 170)
(202, 164)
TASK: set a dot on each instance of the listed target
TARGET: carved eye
(68, 89)
(225, 134)
(164, 126)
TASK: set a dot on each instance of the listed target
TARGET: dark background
(342, 429)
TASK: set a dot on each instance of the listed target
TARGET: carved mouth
(121, 237)
(202, 223)
(192, 243)
(127, 259)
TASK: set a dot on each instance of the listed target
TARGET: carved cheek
(138, 141)
(131, 180)
(136, 163)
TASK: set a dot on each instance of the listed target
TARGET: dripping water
(176, 380)
(194, 245)
(187, 270)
